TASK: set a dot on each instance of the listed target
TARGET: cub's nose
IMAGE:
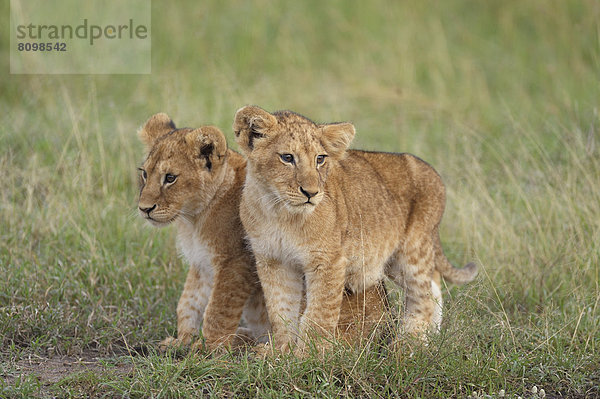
(148, 210)
(308, 194)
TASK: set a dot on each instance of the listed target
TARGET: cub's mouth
(307, 202)
(303, 206)
(158, 222)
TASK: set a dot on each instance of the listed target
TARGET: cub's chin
(300, 208)
(159, 223)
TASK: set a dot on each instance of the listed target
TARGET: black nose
(308, 194)
(148, 210)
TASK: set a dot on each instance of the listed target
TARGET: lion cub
(190, 178)
(336, 218)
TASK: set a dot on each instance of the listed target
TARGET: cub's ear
(336, 138)
(155, 127)
(251, 123)
(208, 145)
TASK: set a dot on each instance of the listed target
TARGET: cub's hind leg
(443, 268)
(191, 306)
(412, 268)
(436, 293)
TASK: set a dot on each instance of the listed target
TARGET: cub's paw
(199, 346)
(301, 353)
(170, 343)
(318, 347)
(263, 351)
(224, 343)
(214, 344)
(243, 338)
(267, 350)
(245, 334)
(206, 347)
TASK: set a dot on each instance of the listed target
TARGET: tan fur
(222, 286)
(203, 202)
(361, 313)
(348, 222)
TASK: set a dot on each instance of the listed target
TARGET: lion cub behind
(190, 178)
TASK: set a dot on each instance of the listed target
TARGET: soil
(53, 369)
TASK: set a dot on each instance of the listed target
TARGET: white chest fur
(277, 243)
(268, 236)
(193, 249)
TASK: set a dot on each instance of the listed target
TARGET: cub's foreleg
(324, 292)
(233, 285)
(282, 287)
(191, 306)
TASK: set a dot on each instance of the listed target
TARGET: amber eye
(287, 158)
(321, 159)
(169, 178)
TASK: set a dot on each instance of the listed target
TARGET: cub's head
(289, 156)
(182, 171)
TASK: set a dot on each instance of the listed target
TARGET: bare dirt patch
(56, 368)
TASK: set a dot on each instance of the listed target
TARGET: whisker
(187, 216)
(132, 214)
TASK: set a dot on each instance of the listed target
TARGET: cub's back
(402, 174)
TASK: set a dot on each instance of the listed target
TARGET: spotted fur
(339, 219)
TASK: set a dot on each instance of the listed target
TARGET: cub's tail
(451, 273)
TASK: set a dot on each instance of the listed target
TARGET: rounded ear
(208, 144)
(336, 138)
(251, 123)
(158, 125)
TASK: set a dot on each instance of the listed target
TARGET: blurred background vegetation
(502, 98)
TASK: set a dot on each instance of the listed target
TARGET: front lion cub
(336, 218)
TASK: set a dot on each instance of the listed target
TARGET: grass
(502, 98)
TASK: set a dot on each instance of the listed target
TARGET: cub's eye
(144, 174)
(321, 159)
(287, 158)
(169, 178)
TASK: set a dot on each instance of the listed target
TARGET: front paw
(213, 342)
(268, 350)
(170, 343)
(264, 351)
(318, 346)
(199, 346)
(214, 347)
(175, 343)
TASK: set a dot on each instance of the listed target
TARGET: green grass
(502, 98)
